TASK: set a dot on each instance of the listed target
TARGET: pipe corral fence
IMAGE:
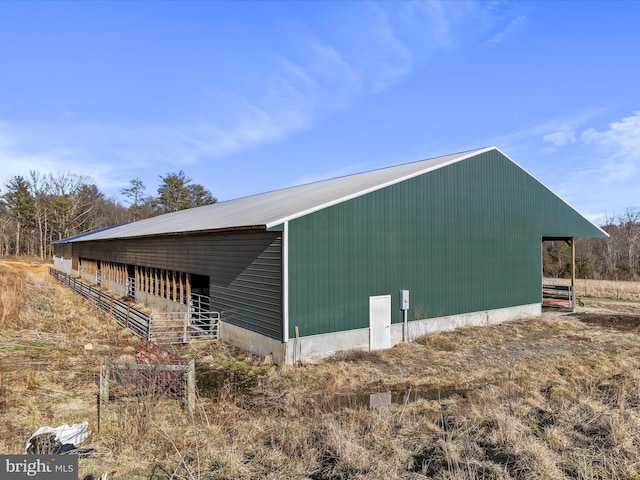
(197, 323)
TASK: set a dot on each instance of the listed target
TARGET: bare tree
(629, 226)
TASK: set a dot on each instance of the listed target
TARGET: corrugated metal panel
(269, 209)
(253, 298)
(462, 238)
(245, 270)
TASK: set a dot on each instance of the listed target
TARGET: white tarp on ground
(65, 434)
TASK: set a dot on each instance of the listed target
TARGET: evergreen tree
(20, 205)
(177, 193)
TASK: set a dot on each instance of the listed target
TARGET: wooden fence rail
(559, 296)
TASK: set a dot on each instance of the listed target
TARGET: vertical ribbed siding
(244, 270)
(252, 298)
(462, 238)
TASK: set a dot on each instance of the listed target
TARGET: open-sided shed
(461, 233)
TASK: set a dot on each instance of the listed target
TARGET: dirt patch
(618, 321)
(36, 267)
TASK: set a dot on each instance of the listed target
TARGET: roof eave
(234, 229)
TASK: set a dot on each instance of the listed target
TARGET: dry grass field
(556, 397)
(602, 289)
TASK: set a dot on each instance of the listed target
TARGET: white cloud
(618, 150)
(558, 132)
(561, 138)
(512, 27)
(439, 20)
(621, 138)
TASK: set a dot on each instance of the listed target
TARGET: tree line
(37, 210)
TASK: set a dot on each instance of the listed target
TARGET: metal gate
(197, 323)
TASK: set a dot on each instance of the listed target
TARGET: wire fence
(110, 396)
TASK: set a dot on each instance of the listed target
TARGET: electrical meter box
(404, 299)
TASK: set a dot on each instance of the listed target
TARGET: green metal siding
(462, 238)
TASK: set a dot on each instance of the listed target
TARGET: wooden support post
(191, 386)
(173, 284)
(188, 299)
(181, 288)
(104, 380)
(165, 281)
(103, 395)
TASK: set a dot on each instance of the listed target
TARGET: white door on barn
(379, 322)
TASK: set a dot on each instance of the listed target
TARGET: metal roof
(267, 210)
(90, 232)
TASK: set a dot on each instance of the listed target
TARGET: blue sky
(249, 97)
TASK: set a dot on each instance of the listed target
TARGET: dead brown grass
(551, 398)
(12, 290)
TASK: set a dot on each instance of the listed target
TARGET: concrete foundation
(418, 328)
(254, 343)
(63, 264)
(316, 347)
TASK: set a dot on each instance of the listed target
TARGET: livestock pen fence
(196, 323)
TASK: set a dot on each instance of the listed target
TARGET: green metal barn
(461, 233)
